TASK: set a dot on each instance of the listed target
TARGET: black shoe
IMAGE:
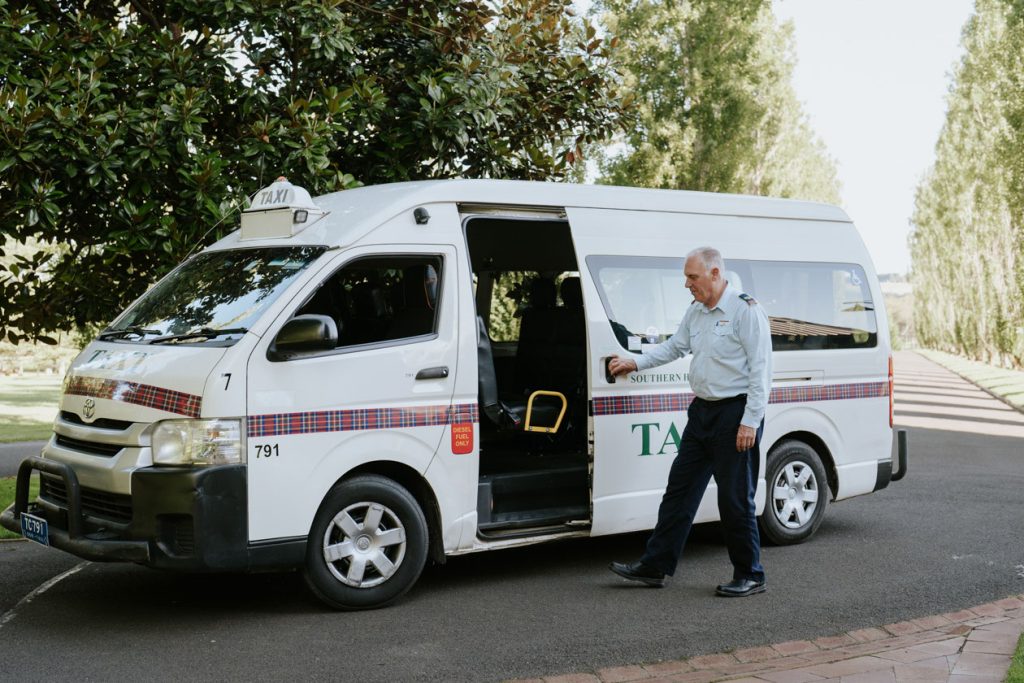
(638, 571)
(740, 588)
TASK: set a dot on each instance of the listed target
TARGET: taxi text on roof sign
(279, 210)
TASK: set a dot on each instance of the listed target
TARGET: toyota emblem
(89, 409)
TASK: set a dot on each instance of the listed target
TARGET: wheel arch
(420, 490)
(821, 448)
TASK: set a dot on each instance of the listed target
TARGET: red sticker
(462, 438)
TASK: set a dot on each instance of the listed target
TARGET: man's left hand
(745, 438)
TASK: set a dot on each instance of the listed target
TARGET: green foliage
(717, 110)
(900, 313)
(1016, 672)
(968, 238)
(8, 486)
(130, 133)
(506, 302)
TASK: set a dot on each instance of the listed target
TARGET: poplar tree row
(716, 106)
(967, 243)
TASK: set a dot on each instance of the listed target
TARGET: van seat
(536, 335)
(506, 413)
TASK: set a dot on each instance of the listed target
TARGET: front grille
(99, 423)
(107, 450)
(112, 506)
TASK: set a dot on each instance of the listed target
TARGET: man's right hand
(621, 366)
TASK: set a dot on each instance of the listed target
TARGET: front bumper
(180, 518)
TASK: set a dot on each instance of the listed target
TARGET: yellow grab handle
(529, 411)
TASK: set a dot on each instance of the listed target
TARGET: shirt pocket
(725, 342)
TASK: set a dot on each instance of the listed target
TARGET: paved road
(11, 455)
(948, 536)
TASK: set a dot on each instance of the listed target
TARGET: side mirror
(303, 334)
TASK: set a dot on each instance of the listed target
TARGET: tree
(968, 238)
(130, 132)
(716, 107)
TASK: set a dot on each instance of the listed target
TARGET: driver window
(381, 299)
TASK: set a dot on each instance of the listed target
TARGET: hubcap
(795, 495)
(364, 545)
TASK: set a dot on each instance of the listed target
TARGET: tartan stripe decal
(829, 392)
(283, 424)
(667, 403)
(138, 394)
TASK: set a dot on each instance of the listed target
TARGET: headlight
(198, 442)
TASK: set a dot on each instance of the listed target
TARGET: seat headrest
(572, 292)
(542, 293)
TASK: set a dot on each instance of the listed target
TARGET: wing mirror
(304, 334)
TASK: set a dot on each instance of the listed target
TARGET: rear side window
(809, 305)
(516, 294)
(381, 299)
(813, 305)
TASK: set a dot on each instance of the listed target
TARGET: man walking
(728, 334)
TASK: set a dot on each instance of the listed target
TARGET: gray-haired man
(728, 334)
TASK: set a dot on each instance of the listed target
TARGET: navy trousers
(708, 448)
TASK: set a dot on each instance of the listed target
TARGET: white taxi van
(357, 383)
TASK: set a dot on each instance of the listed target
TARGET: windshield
(214, 297)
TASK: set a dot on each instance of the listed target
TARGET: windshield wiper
(121, 332)
(201, 333)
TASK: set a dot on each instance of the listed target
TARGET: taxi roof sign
(279, 210)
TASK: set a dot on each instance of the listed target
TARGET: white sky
(873, 77)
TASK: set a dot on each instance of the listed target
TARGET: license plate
(35, 528)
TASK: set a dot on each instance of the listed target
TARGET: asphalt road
(11, 455)
(949, 536)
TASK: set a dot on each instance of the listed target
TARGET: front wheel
(368, 544)
(798, 494)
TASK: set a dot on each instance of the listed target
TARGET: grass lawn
(28, 405)
(1009, 384)
(7, 485)
(1016, 672)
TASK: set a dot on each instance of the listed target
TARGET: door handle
(440, 372)
(608, 376)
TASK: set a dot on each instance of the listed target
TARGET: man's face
(699, 280)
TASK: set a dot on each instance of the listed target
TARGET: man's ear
(715, 274)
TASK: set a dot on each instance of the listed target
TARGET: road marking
(11, 613)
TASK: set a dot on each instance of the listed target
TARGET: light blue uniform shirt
(732, 352)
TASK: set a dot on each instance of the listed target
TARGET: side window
(809, 305)
(814, 305)
(644, 297)
(527, 295)
(381, 299)
(507, 299)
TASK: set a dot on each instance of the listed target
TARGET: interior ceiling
(503, 244)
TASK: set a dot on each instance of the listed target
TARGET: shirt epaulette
(749, 299)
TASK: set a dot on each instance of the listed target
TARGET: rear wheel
(368, 544)
(798, 494)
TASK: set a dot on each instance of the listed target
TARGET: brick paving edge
(724, 666)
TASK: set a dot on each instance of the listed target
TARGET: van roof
(354, 213)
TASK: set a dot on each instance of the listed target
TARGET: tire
(797, 494)
(352, 564)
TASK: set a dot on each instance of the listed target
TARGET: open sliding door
(633, 299)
